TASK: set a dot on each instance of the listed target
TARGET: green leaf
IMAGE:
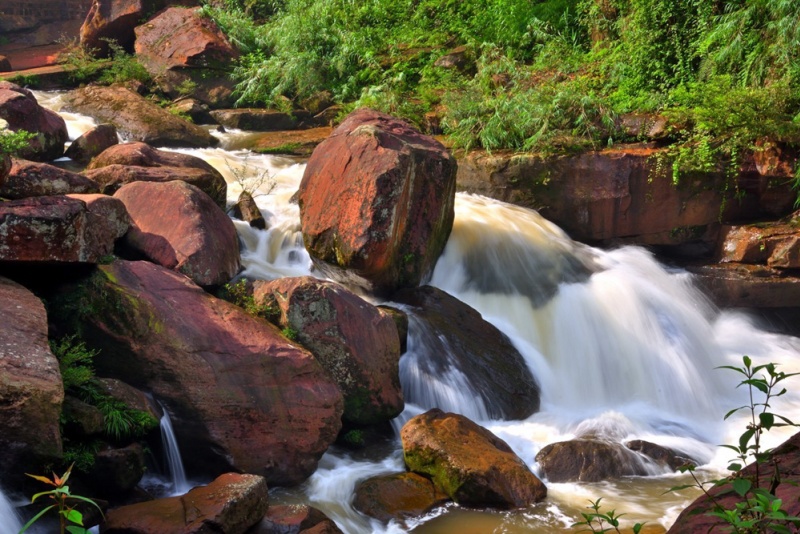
(72, 529)
(742, 486)
(90, 501)
(730, 413)
(747, 361)
(767, 420)
(681, 488)
(35, 518)
(735, 466)
(745, 438)
(758, 383)
(74, 516)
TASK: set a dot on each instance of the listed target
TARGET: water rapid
(622, 348)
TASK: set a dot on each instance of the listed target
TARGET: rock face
(71, 228)
(617, 196)
(92, 143)
(232, 504)
(377, 200)
(237, 391)
(588, 460)
(787, 455)
(775, 244)
(258, 120)
(467, 462)
(733, 285)
(132, 162)
(353, 340)
(396, 497)
(179, 227)
(457, 338)
(19, 108)
(112, 19)
(180, 49)
(136, 118)
(295, 519)
(32, 179)
(31, 392)
(117, 471)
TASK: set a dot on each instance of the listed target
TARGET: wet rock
(588, 460)
(457, 339)
(258, 120)
(132, 162)
(467, 462)
(376, 202)
(294, 519)
(92, 143)
(177, 226)
(292, 143)
(70, 228)
(19, 108)
(137, 118)
(786, 457)
(356, 343)
(187, 53)
(32, 179)
(247, 210)
(776, 244)
(661, 455)
(401, 322)
(397, 497)
(241, 394)
(737, 285)
(232, 504)
(194, 109)
(82, 419)
(31, 392)
(117, 470)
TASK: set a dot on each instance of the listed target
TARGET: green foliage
(290, 333)
(85, 67)
(75, 361)
(64, 504)
(354, 438)
(13, 143)
(596, 520)
(241, 295)
(80, 455)
(758, 509)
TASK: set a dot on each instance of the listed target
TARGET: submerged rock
(352, 339)
(295, 519)
(92, 143)
(589, 460)
(468, 463)
(397, 497)
(376, 202)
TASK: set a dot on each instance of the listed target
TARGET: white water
(179, 484)
(621, 347)
(9, 520)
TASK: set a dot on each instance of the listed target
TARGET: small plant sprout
(256, 182)
(598, 521)
(64, 502)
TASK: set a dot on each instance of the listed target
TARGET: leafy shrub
(13, 143)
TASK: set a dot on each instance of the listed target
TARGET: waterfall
(9, 520)
(174, 462)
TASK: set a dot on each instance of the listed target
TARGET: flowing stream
(622, 347)
(9, 521)
(179, 484)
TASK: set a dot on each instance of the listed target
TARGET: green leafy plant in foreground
(12, 143)
(64, 503)
(598, 521)
(759, 509)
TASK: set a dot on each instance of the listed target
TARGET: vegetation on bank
(547, 75)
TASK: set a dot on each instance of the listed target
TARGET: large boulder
(352, 339)
(92, 143)
(69, 228)
(453, 337)
(232, 504)
(132, 162)
(397, 497)
(182, 49)
(137, 118)
(294, 519)
(176, 225)
(589, 460)
(785, 459)
(113, 20)
(240, 393)
(467, 462)
(775, 244)
(377, 202)
(257, 120)
(117, 470)
(31, 391)
(34, 179)
(19, 108)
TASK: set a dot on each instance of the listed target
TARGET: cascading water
(621, 347)
(179, 484)
(9, 521)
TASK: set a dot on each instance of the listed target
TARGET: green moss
(429, 463)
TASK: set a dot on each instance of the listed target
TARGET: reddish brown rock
(19, 108)
(130, 396)
(114, 20)
(258, 120)
(5, 168)
(458, 339)
(92, 143)
(179, 47)
(618, 196)
(467, 462)
(131, 162)
(242, 395)
(660, 455)
(737, 285)
(397, 497)
(376, 202)
(291, 143)
(5, 64)
(787, 459)
(71, 228)
(176, 225)
(588, 460)
(294, 519)
(231, 504)
(33, 179)
(776, 244)
(117, 470)
(247, 210)
(137, 118)
(352, 339)
(31, 392)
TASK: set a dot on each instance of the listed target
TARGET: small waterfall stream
(621, 347)
(9, 520)
(179, 484)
